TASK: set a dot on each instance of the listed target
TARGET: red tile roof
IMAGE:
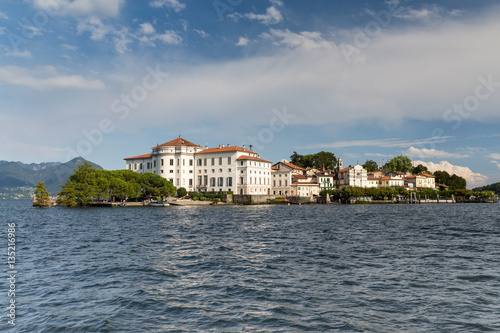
(178, 142)
(138, 157)
(304, 183)
(290, 165)
(299, 176)
(242, 158)
(274, 168)
(225, 149)
(428, 176)
(346, 169)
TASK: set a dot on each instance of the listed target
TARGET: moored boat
(159, 204)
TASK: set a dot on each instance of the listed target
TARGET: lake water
(356, 268)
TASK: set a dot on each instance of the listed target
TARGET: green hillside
(493, 187)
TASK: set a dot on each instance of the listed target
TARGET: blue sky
(362, 79)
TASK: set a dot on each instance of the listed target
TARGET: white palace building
(224, 168)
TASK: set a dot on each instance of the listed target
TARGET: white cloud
(46, 78)
(494, 156)
(426, 13)
(19, 54)
(147, 28)
(170, 37)
(99, 8)
(473, 179)
(202, 33)
(2, 30)
(121, 40)
(69, 47)
(305, 40)
(497, 164)
(385, 143)
(242, 41)
(272, 15)
(176, 5)
(95, 27)
(3, 16)
(432, 153)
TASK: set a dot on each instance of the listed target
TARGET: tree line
(386, 193)
(88, 184)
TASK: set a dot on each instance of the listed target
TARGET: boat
(159, 204)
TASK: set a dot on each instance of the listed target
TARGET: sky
(366, 80)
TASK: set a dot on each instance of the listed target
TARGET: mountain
(17, 174)
(493, 187)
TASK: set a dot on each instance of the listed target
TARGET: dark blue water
(369, 268)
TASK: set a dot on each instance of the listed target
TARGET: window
(161, 171)
(220, 181)
(177, 181)
(135, 166)
(241, 180)
(178, 162)
(140, 166)
(162, 162)
(204, 162)
(199, 180)
(171, 171)
(274, 183)
(241, 163)
(205, 180)
(229, 181)
(280, 182)
(220, 160)
(198, 162)
(183, 162)
(213, 160)
(154, 164)
(286, 182)
(220, 170)
(171, 180)
(228, 170)
(206, 170)
(229, 160)
(212, 181)
(190, 162)
(190, 182)
(190, 171)
(171, 161)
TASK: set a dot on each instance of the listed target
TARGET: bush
(181, 192)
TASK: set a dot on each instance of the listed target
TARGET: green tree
(420, 169)
(42, 198)
(400, 163)
(442, 177)
(456, 182)
(68, 196)
(371, 166)
(181, 192)
(324, 159)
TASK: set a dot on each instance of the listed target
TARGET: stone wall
(252, 199)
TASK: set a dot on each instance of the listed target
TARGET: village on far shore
(242, 172)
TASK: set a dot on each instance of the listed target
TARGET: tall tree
(371, 166)
(400, 163)
(323, 158)
(42, 198)
(420, 169)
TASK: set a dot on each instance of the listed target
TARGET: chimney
(220, 146)
(243, 146)
(206, 146)
(228, 144)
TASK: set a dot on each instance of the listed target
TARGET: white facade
(188, 165)
(355, 176)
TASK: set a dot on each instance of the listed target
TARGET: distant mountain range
(17, 174)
